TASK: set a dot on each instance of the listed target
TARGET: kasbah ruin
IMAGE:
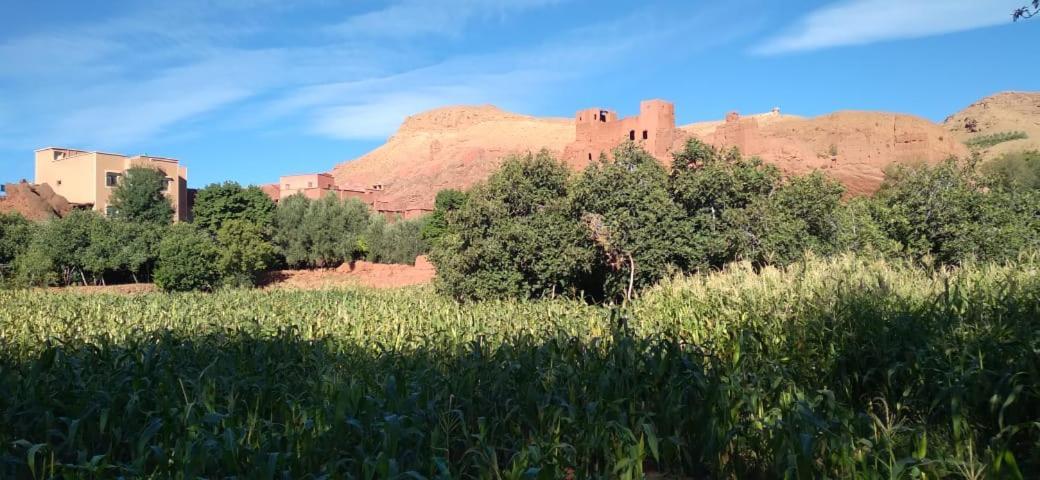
(454, 147)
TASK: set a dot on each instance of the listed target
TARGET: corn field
(835, 368)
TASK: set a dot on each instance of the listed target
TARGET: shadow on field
(803, 400)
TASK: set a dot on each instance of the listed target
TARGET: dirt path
(366, 274)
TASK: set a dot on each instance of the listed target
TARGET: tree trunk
(631, 277)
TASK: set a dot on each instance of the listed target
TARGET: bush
(243, 252)
(16, 233)
(187, 260)
(947, 212)
(399, 241)
(986, 141)
(321, 233)
(1014, 171)
(222, 202)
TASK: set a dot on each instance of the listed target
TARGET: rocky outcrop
(35, 202)
(452, 147)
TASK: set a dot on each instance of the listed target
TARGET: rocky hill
(1005, 112)
(853, 147)
(454, 147)
(451, 147)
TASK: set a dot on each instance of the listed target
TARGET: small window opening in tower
(645, 136)
(602, 115)
(632, 135)
(590, 155)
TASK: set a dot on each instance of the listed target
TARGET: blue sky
(249, 89)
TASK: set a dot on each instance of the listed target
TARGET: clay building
(598, 131)
(86, 178)
(318, 185)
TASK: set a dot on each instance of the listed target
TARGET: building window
(590, 156)
(111, 179)
(632, 135)
(310, 184)
(166, 183)
(644, 135)
(59, 182)
(110, 211)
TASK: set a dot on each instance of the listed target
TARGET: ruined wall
(597, 132)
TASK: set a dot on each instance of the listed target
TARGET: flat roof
(153, 157)
(302, 174)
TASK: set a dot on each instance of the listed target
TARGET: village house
(86, 178)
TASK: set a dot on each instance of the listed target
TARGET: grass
(986, 141)
(833, 368)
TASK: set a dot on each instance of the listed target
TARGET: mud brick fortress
(598, 131)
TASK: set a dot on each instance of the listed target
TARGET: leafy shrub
(187, 260)
(320, 233)
(16, 232)
(399, 241)
(1014, 171)
(243, 252)
(946, 212)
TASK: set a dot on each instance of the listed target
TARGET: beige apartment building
(87, 178)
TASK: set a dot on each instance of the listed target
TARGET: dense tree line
(533, 229)
(536, 229)
(236, 235)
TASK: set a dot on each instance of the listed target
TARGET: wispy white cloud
(860, 22)
(153, 73)
(413, 18)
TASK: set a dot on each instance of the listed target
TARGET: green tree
(66, 243)
(813, 199)
(628, 208)
(137, 248)
(243, 253)
(399, 241)
(764, 233)
(335, 230)
(290, 237)
(140, 197)
(515, 235)
(858, 230)
(1014, 171)
(187, 260)
(706, 183)
(16, 233)
(218, 203)
(948, 212)
(447, 200)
